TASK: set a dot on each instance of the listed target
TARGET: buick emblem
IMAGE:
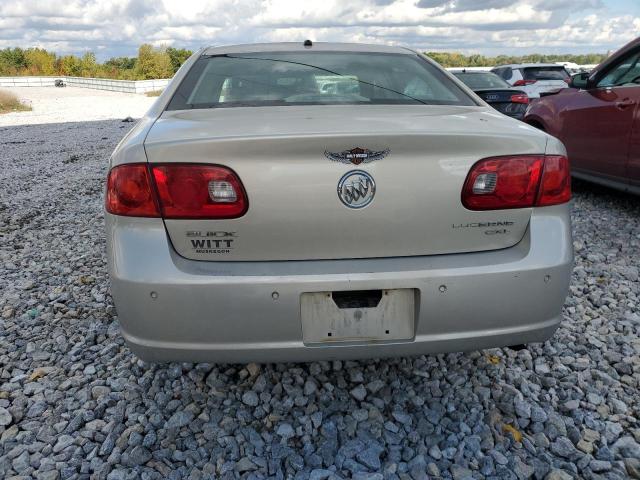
(356, 156)
(356, 189)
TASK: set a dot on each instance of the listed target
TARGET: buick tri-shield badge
(356, 189)
(356, 156)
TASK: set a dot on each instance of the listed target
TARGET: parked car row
(598, 119)
(596, 114)
(495, 91)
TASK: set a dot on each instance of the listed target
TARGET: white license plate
(323, 321)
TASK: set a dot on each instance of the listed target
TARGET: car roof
(529, 65)
(614, 58)
(299, 47)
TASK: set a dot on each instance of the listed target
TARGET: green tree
(178, 56)
(69, 65)
(88, 65)
(40, 62)
(121, 63)
(12, 61)
(153, 62)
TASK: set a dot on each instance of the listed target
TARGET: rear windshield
(545, 73)
(314, 78)
(482, 80)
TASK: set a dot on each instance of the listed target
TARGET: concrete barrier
(127, 86)
(27, 81)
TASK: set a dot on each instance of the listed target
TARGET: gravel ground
(73, 104)
(75, 403)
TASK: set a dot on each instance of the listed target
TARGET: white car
(534, 78)
(255, 215)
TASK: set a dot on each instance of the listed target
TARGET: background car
(534, 78)
(495, 91)
(597, 120)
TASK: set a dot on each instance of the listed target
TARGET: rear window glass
(482, 80)
(545, 73)
(314, 78)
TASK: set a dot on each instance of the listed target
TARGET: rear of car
(535, 78)
(495, 91)
(285, 202)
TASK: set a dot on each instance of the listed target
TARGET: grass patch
(10, 103)
(154, 93)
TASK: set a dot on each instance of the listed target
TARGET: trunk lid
(542, 86)
(283, 156)
(500, 99)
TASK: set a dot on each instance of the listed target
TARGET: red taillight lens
(519, 181)
(556, 181)
(522, 83)
(129, 192)
(199, 191)
(519, 98)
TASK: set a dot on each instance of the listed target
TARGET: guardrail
(127, 86)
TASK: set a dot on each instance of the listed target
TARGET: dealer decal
(213, 242)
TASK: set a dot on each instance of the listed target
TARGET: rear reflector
(518, 181)
(129, 192)
(199, 191)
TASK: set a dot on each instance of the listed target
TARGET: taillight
(199, 191)
(556, 181)
(518, 181)
(519, 98)
(522, 83)
(129, 192)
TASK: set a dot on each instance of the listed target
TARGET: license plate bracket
(323, 321)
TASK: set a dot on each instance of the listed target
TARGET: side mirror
(579, 80)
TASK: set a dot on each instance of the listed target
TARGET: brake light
(199, 191)
(129, 192)
(518, 181)
(556, 181)
(519, 98)
(522, 83)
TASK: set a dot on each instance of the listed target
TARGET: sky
(491, 27)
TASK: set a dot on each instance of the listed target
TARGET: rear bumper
(171, 308)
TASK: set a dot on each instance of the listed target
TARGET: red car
(598, 119)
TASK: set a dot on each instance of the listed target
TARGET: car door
(597, 124)
(633, 163)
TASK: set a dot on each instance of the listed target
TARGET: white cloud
(117, 27)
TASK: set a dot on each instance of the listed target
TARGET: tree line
(163, 62)
(448, 59)
(151, 62)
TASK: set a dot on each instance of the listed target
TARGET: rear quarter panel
(545, 113)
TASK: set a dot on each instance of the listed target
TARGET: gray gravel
(75, 403)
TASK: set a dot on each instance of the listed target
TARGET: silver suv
(534, 78)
